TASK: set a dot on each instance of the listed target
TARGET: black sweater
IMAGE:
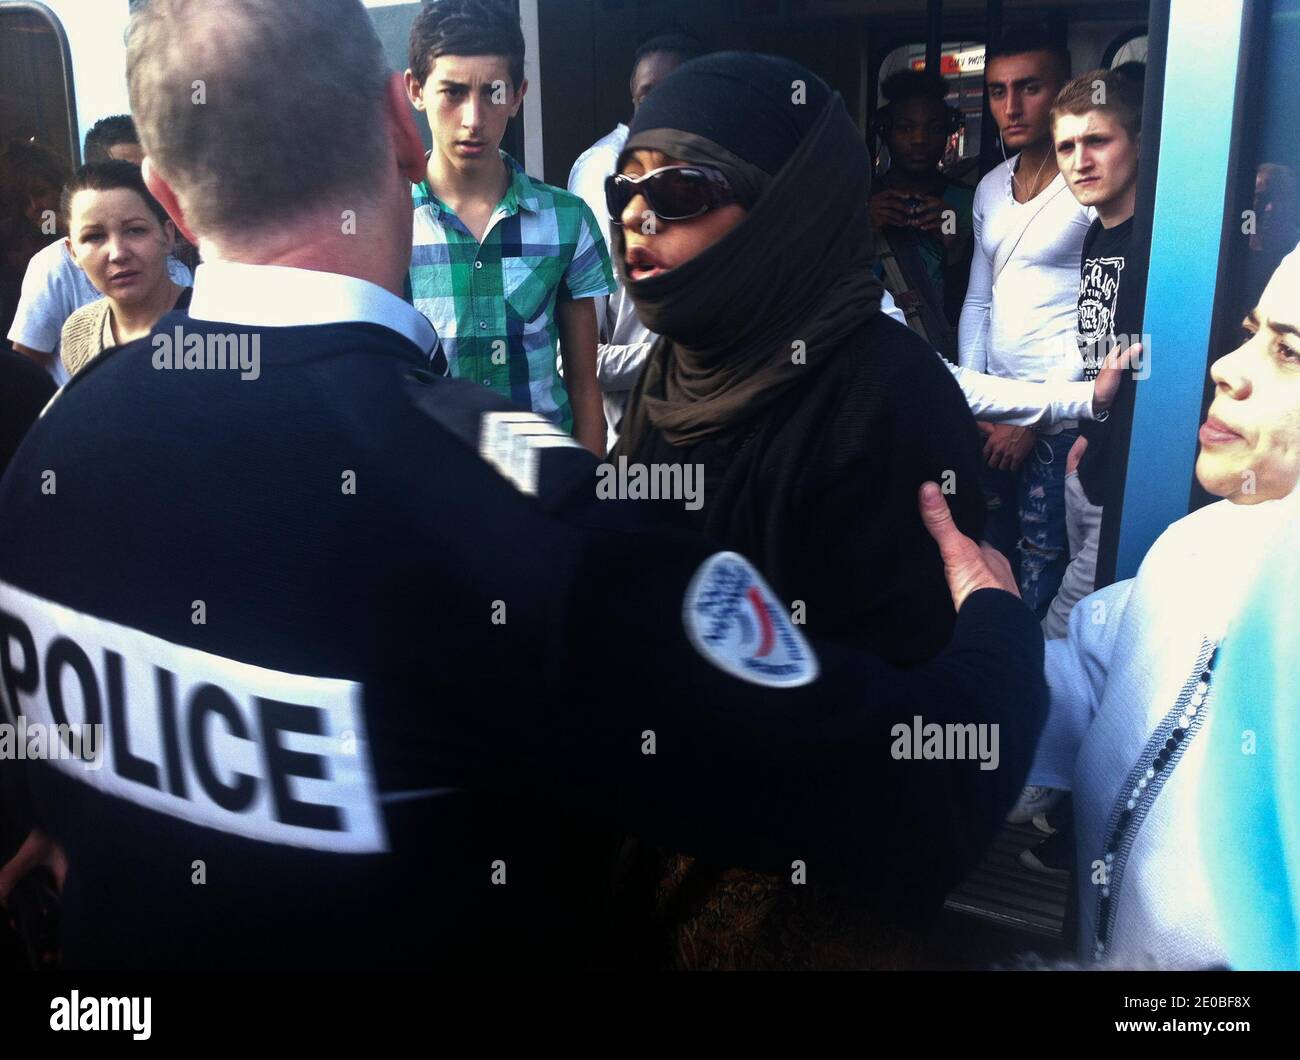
(821, 493)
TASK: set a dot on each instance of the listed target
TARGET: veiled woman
(742, 234)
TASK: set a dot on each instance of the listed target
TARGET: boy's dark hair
(106, 176)
(680, 44)
(914, 84)
(466, 27)
(1023, 39)
(109, 132)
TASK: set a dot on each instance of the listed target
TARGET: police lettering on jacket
(259, 753)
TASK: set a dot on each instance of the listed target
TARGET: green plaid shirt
(493, 304)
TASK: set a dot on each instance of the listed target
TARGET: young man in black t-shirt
(1096, 131)
(1096, 127)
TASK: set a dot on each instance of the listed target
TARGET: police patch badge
(737, 623)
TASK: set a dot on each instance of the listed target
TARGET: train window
(1263, 222)
(392, 21)
(1129, 47)
(1266, 215)
(962, 66)
(35, 101)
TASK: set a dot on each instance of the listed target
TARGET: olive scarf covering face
(759, 310)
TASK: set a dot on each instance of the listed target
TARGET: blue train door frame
(1195, 76)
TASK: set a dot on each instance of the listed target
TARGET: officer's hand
(966, 565)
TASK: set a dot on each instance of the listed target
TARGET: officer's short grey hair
(257, 110)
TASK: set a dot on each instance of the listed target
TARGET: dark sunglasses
(673, 193)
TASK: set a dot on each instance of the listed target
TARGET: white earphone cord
(1003, 147)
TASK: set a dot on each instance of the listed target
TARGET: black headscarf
(767, 304)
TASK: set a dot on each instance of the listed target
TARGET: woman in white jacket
(1133, 694)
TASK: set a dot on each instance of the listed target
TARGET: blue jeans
(1026, 519)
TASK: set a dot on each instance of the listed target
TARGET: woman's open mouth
(642, 264)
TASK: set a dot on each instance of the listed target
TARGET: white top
(621, 352)
(277, 296)
(587, 177)
(54, 288)
(1019, 317)
(1116, 681)
(624, 342)
(1055, 401)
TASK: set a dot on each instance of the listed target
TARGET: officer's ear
(407, 144)
(162, 191)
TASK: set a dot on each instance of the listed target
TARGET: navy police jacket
(376, 670)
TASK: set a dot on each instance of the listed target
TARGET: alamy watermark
(36, 740)
(1091, 354)
(926, 741)
(77, 1013)
(651, 482)
(211, 351)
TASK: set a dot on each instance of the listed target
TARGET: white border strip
(534, 157)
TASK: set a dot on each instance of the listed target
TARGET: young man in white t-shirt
(1020, 306)
(1018, 319)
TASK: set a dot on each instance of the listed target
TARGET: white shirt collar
(277, 296)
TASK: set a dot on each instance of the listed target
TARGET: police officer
(376, 671)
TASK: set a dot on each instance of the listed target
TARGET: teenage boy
(1024, 284)
(504, 266)
(1097, 127)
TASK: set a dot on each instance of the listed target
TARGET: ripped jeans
(1026, 519)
